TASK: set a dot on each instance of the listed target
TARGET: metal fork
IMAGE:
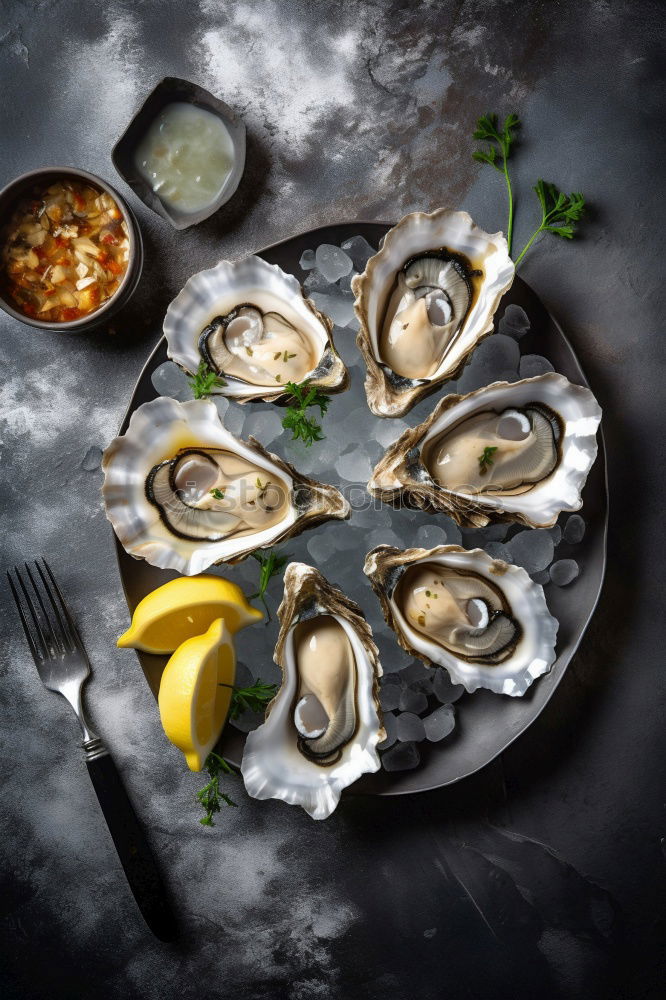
(63, 666)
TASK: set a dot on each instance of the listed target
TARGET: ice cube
(265, 425)
(556, 534)
(532, 549)
(402, 757)
(307, 261)
(430, 535)
(542, 577)
(410, 727)
(92, 459)
(221, 405)
(438, 724)
(389, 697)
(354, 466)
(498, 550)
(234, 418)
(443, 688)
(344, 284)
(534, 364)
(564, 571)
(332, 262)
(335, 304)
(412, 701)
(321, 547)
(388, 431)
(413, 672)
(359, 250)
(391, 727)
(515, 322)
(383, 536)
(316, 282)
(170, 380)
(496, 354)
(574, 529)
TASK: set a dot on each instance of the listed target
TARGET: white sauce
(186, 156)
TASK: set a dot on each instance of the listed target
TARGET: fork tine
(72, 632)
(53, 637)
(37, 653)
(64, 636)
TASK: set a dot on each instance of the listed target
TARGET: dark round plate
(489, 722)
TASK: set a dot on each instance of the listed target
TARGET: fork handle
(133, 849)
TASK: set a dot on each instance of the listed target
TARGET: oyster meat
(424, 302)
(512, 451)
(183, 493)
(322, 728)
(251, 324)
(483, 620)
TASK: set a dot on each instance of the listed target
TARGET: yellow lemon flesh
(183, 608)
(195, 692)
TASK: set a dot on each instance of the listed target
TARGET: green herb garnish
(205, 380)
(272, 563)
(296, 420)
(255, 698)
(217, 493)
(486, 459)
(559, 213)
(497, 153)
(210, 795)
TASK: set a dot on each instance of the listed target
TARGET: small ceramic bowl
(11, 195)
(169, 91)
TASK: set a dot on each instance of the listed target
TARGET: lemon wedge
(195, 692)
(183, 608)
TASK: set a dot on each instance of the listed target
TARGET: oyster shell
(322, 728)
(424, 302)
(250, 322)
(483, 620)
(183, 493)
(538, 437)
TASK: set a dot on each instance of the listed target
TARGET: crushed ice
(417, 702)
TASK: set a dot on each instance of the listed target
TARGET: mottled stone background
(543, 875)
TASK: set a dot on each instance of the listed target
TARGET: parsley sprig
(272, 563)
(560, 213)
(485, 459)
(210, 796)
(497, 152)
(256, 697)
(205, 380)
(296, 420)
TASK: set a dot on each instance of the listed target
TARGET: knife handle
(133, 849)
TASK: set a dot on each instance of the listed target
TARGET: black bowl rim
(210, 102)
(135, 247)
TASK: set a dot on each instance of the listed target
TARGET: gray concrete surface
(543, 875)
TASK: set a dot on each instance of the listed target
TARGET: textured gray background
(543, 875)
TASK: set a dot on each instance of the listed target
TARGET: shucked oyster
(250, 323)
(322, 728)
(183, 493)
(518, 451)
(424, 303)
(487, 622)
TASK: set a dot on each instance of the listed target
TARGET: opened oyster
(322, 728)
(424, 302)
(487, 622)
(251, 324)
(512, 451)
(183, 493)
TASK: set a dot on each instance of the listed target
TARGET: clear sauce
(186, 156)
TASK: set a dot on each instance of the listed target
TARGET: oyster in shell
(424, 302)
(512, 451)
(250, 322)
(322, 728)
(183, 493)
(487, 622)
